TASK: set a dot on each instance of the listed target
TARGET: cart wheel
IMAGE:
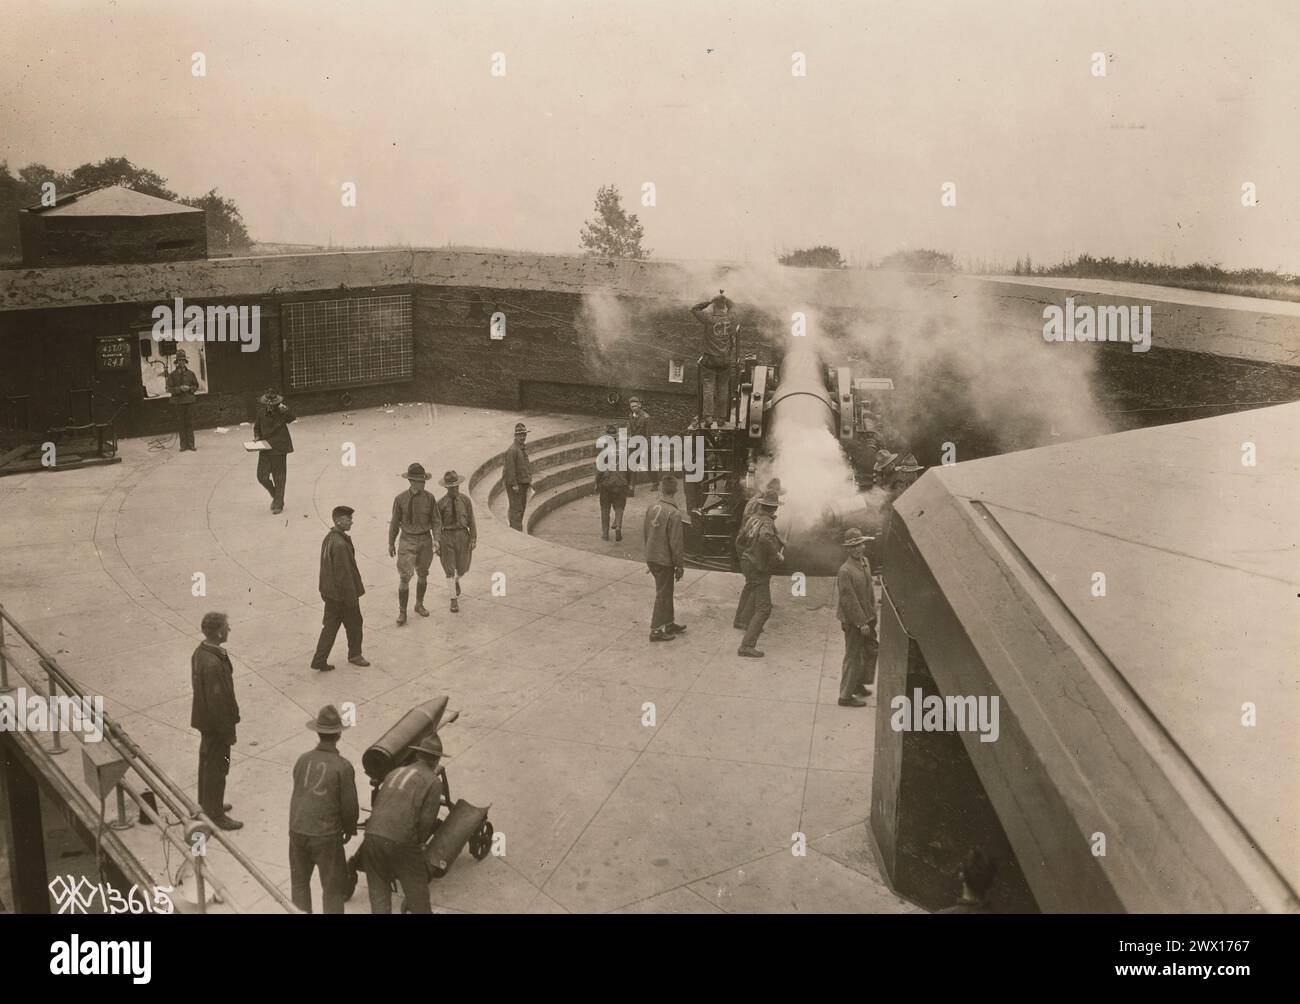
(481, 842)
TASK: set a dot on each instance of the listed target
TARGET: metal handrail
(158, 781)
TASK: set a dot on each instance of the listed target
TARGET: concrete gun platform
(600, 812)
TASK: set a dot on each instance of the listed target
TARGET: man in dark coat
(341, 589)
(857, 615)
(323, 813)
(404, 817)
(665, 557)
(518, 476)
(272, 425)
(760, 550)
(613, 488)
(181, 385)
(215, 713)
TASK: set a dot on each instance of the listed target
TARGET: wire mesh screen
(344, 343)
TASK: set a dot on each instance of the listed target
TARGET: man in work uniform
(760, 550)
(857, 616)
(665, 555)
(215, 713)
(518, 477)
(181, 385)
(459, 534)
(613, 489)
(404, 817)
(272, 425)
(341, 589)
(715, 365)
(415, 514)
(638, 424)
(323, 815)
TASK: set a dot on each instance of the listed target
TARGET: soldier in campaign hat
(415, 517)
(181, 385)
(517, 476)
(857, 616)
(404, 817)
(323, 814)
(751, 507)
(459, 534)
(760, 550)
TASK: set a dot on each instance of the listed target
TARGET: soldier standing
(760, 550)
(215, 713)
(415, 515)
(341, 589)
(665, 556)
(459, 534)
(518, 476)
(715, 364)
(323, 815)
(638, 424)
(272, 425)
(181, 385)
(404, 817)
(613, 488)
(857, 616)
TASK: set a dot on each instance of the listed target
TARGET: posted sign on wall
(113, 352)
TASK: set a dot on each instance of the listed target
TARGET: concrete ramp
(1133, 601)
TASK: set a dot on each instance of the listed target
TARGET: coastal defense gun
(791, 417)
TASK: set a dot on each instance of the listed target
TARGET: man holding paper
(272, 426)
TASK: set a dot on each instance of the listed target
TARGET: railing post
(121, 823)
(5, 688)
(56, 720)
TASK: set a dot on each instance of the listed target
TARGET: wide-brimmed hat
(884, 458)
(769, 499)
(775, 486)
(416, 472)
(270, 396)
(429, 744)
(180, 354)
(327, 722)
(853, 537)
(520, 428)
(451, 479)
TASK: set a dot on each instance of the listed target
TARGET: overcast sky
(698, 98)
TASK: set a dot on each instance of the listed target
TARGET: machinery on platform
(803, 399)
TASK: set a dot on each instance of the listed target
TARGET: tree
(612, 233)
(118, 171)
(226, 230)
(822, 256)
(919, 260)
